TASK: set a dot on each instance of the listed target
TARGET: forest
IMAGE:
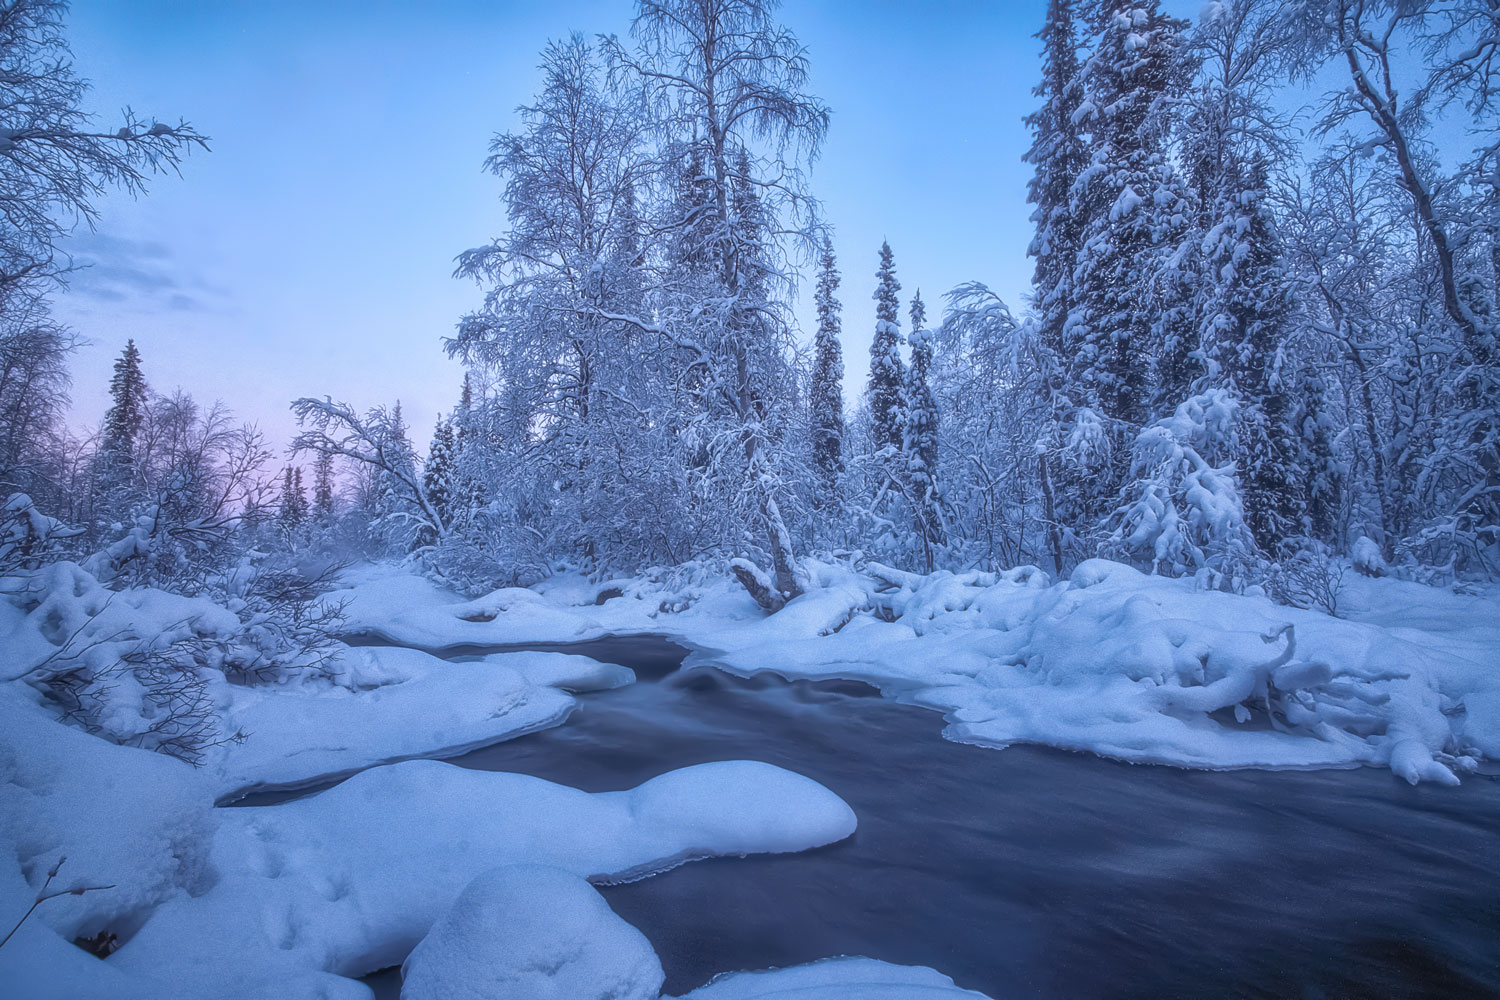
(1241, 438)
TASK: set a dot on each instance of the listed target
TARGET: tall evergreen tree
(1133, 204)
(323, 498)
(919, 444)
(886, 370)
(1247, 327)
(1323, 475)
(826, 395)
(127, 412)
(293, 500)
(438, 471)
(1059, 155)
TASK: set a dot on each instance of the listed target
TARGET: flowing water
(1032, 872)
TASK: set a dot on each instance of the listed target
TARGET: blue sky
(310, 252)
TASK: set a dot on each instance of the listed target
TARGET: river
(1033, 872)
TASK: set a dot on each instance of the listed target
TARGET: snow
(843, 978)
(530, 932)
(285, 900)
(1136, 667)
(1366, 556)
(349, 880)
(1112, 661)
(399, 704)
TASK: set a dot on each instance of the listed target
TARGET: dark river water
(1031, 872)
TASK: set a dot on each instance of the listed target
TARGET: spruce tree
(438, 472)
(1134, 204)
(323, 499)
(127, 413)
(886, 374)
(826, 395)
(1245, 332)
(1059, 155)
(1321, 472)
(920, 434)
(293, 500)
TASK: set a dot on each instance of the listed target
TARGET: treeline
(1256, 341)
(1253, 341)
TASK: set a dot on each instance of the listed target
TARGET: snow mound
(565, 671)
(402, 704)
(530, 932)
(836, 979)
(349, 880)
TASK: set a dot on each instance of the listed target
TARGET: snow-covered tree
(1059, 155)
(1322, 487)
(438, 470)
(55, 159)
(826, 392)
(887, 373)
(726, 80)
(292, 505)
(1126, 312)
(919, 444)
(1245, 295)
(124, 419)
(324, 501)
(1181, 514)
(1126, 343)
(34, 383)
(377, 443)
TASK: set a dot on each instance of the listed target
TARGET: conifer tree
(1059, 155)
(920, 434)
(127, 413)
(438, 471)
(293, 500)
(886, 370)
(1322, 474)
(1134, 207)
(323, 499)
(826, 400)
(1251, 305)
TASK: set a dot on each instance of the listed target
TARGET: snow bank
(1151, 670)
(349, 880)
(391, 605)
(529, 932)
(1112, 661)
(836, 979)
(399, 704)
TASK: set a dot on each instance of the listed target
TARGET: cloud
(140, 273)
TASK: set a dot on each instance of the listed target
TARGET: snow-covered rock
(530, 932)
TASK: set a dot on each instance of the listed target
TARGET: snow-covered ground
(289, 900)
(1111, 661)
(284, 900)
